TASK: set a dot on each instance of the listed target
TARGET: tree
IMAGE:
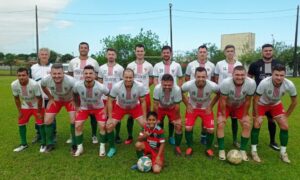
(53, 56)
(66, 58)
(2, 55)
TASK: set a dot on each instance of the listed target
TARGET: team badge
(134, 95)
(194, 93)
(30, 92)
(66, 88)
(173, 71)
(225, 68)
(52, 88)
(96, 93)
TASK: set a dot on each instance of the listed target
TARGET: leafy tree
(2, 55)
(66, 58)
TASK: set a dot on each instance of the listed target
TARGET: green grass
(31, 164)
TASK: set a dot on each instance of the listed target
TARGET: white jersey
(38, 72)
(127, 99)
(236, 95)
(167, 99)
(142, 72)
(200, 98)
(76, 67)
(90, 98)
(224, 69)
(27, 93)
(161, 68)
(191, 67)
(271, 95)
(60, 92)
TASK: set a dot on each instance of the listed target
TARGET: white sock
(253, 147)
(282, 149)
(102, 144)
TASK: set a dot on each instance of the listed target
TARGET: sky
(63, 24)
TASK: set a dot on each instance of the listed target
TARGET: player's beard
(268, 59)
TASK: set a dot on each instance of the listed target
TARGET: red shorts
(275, 110)
(148, 102)
(82, 115)
(207, 119)
(232, 111)
(149, 150)
(119, 112)
(27, 113)
(55, 107)
(170, 112)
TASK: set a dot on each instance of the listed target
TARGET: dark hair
(84, 43)
(166, 48)
(279, 67)
(200, 69)
(22, 69)
(128, 69)
(202, 46)
(229, 46)
(111, 49)
(239, 68)
(89, 67)
(167, 77)
(57, 66)
(152, 113)
(267, 45)
(140, 46)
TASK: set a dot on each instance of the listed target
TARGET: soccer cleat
(244, 155)
(21, 148)
(94, 140)
(49, 148)
(102, 150)
(79, 150)
(128, 141)
(222, 155)
(111, 152)
(203, 139)
(36, 139)
(42, 148)
(284, 157)
(118, 140)
(172, 140)
(209, 152)
(188, 152)
(255, 156)
(236, 144)
(73, 149)
(274, 146)
(134, 167)
(69, 141)
(178, 151)
(216, 145)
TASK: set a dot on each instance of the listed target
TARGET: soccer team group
(108, 92)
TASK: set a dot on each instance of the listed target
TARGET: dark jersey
(156, 136)
(260, 70)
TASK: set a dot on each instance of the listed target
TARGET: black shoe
(37, 138)
(49, 148)
(118, 140)
(274, 146)
(54, 139)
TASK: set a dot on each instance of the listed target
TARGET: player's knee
(178, 128)
(221, 125)
(284, 126)
(139, 145)
(210, 130)
(246, 125)
(188, 128)
(156, 169)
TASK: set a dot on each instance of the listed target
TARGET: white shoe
(79, 150)
(244, 156)
(102, 150)
(42, 149)
(94, 140)
(284, 157)
(222, 155)
(20, 148)
(255, 156)
(69, 141)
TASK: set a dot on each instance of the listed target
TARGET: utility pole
(37, 32)
(295, 46)
(171, 35)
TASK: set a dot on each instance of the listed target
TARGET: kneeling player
(90, 92)
(151, 141)
(268, 99)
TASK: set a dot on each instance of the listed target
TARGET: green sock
(79, 139)
(118, 128)
(234, 128)
(42, 133)
(102, 138)
(210, 140)
(22, 131)
(72, 127)
(178, 138)
(130, 126)
(171, 129)
(284, 136)
(254, 135)
(139, 154)
(244, 142)
(111, 139)
(221, 143)
(49, 134)
(189, 138)
(93, 125)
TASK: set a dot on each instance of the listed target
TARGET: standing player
(199, 104)
(28, 99)
(130, 97)
(109, 74)
(202, 61)
(143, 73)
(59, 89)
(75, 69)
(37, 72)
(223, 70)
(268, 99)
(88, 100)
(235, 100)
(167, 66)
(261, 69)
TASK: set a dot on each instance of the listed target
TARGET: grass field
(31, 164)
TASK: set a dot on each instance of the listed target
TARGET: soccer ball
(144, 164)
(234, 156)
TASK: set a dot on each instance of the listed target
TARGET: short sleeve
(37, 90)
(251, 89)
(251, 70)
(150, 73)
(142, 91)
(188, 70)
(224, 89)
(96, 67)
(105, 90)
(114, 91)
(178, 96)
(14, 90)
(44, 81)
(185, 87)
(179, 72)
(156, 93)
(70, 67)
(100, 73)
(217, 69)
(155, 71)
(260, 88)
(292, 89)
